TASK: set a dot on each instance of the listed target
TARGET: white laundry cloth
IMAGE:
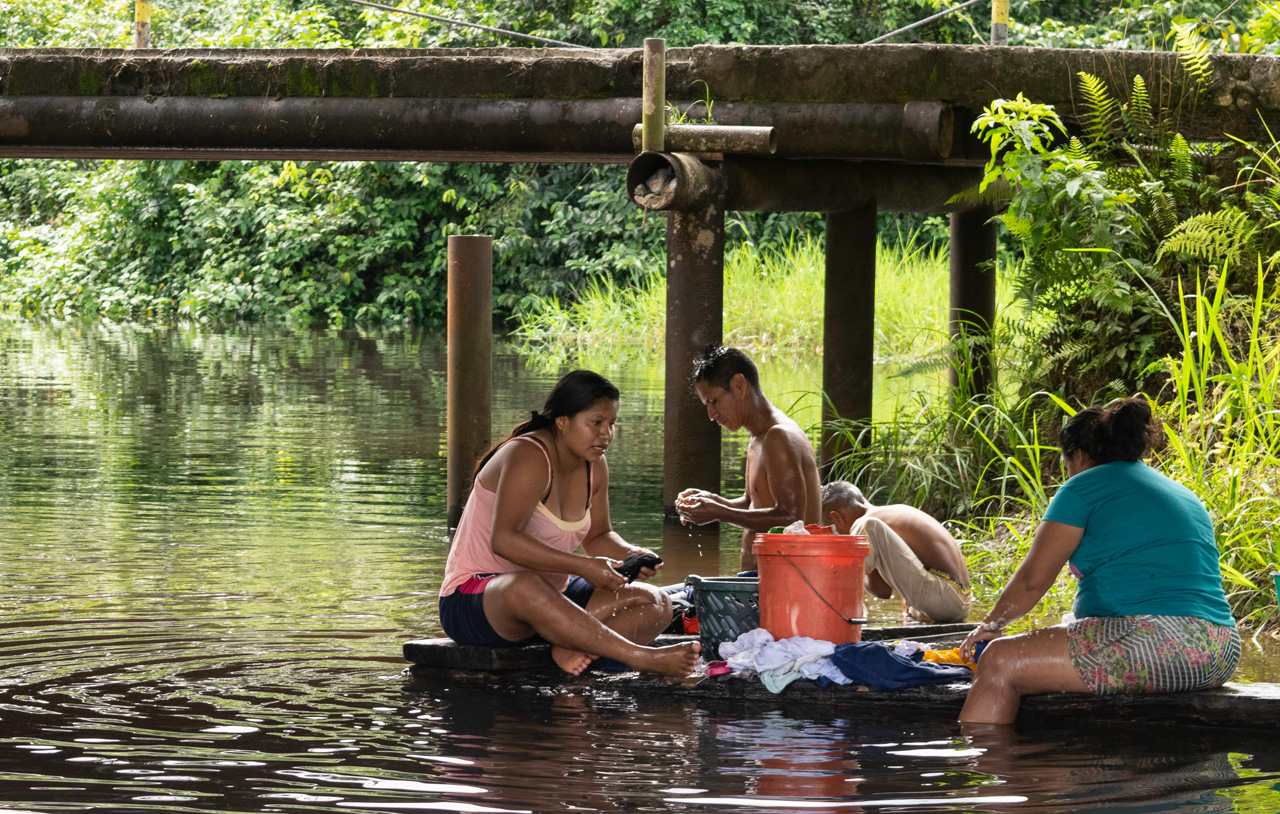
(785, 651)
(741, 652)
(776, 680)
(823, 668)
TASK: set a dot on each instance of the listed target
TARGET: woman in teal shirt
(1150, 612)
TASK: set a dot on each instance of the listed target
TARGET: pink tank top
(472, 551)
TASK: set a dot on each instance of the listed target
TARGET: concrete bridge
(859, 129)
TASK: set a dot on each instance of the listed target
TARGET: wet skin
(620, 618)
(783, 483)
(925, 536)
(1037, 661)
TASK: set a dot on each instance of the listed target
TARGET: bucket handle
(850, 620)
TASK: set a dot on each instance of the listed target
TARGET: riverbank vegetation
(773, 304)
(1133, 259)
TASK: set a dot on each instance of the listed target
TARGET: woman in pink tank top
(535, 551)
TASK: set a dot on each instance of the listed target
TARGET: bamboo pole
(141, 24)
(653, 110)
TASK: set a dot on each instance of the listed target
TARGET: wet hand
(599, 572)
(695, 507)
(984, 632)
(647, 572)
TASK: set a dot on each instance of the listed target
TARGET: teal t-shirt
(1148, 545)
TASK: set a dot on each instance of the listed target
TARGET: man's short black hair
(718, 365)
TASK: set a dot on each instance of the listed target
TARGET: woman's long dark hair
(576, 391)
(1107, 434)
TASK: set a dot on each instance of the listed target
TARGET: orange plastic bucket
(811, 584)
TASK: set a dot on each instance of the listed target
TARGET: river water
(214, 543)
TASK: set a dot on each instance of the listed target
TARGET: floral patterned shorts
(1152, 653)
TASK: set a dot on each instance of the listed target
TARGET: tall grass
(1223, 425)
(773, 304)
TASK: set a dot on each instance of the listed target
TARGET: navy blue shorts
(462, 612)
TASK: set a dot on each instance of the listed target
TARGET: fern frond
(1100, 111)
(1164, 211)
(1137, 115)
(1183, 164)
(1214, 237)
(998, 193)
(1018, 227)
(1076, 150)
(1193, 53)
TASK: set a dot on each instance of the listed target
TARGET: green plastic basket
(727, 607)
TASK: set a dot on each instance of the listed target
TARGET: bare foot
(571, 661)
(674, 660)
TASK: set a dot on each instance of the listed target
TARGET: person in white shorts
(912, 555)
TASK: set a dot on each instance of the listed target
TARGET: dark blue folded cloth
(876, 665)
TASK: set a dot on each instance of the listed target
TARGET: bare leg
(638, 613)
(1011, 667)
(521, 604)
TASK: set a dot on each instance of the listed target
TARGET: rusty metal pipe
(713, 138)
(695, 319)
(919, 131)
(577, 127)
(673, 181)
(973, 299)
(848, 326)
(469, 366)
(774, 185)
(473, 125)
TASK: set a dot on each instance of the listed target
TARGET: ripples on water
(214, 544)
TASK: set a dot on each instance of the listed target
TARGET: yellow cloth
(951, 656)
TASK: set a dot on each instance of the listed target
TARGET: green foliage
(1193, 53)
(1222, 419)
(614, 320)
(341, 242)
(1099, 222)
(1127, 24)
(1101, 114)
(1218, 238)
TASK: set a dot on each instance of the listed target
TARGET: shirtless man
(911, 554)
(783, 484)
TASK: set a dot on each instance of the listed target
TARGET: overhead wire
(919, 23)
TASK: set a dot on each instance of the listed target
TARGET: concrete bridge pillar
(695, 319)
(849, 310)
(973, 299)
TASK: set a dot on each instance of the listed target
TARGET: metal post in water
(653, 108)
(849, 313)
(999, 22)
(469, 369)
(695, 319)
(973, 298)
(141, 24)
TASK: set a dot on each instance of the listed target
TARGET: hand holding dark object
(632, 565)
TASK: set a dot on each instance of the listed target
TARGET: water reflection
(214, 543)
